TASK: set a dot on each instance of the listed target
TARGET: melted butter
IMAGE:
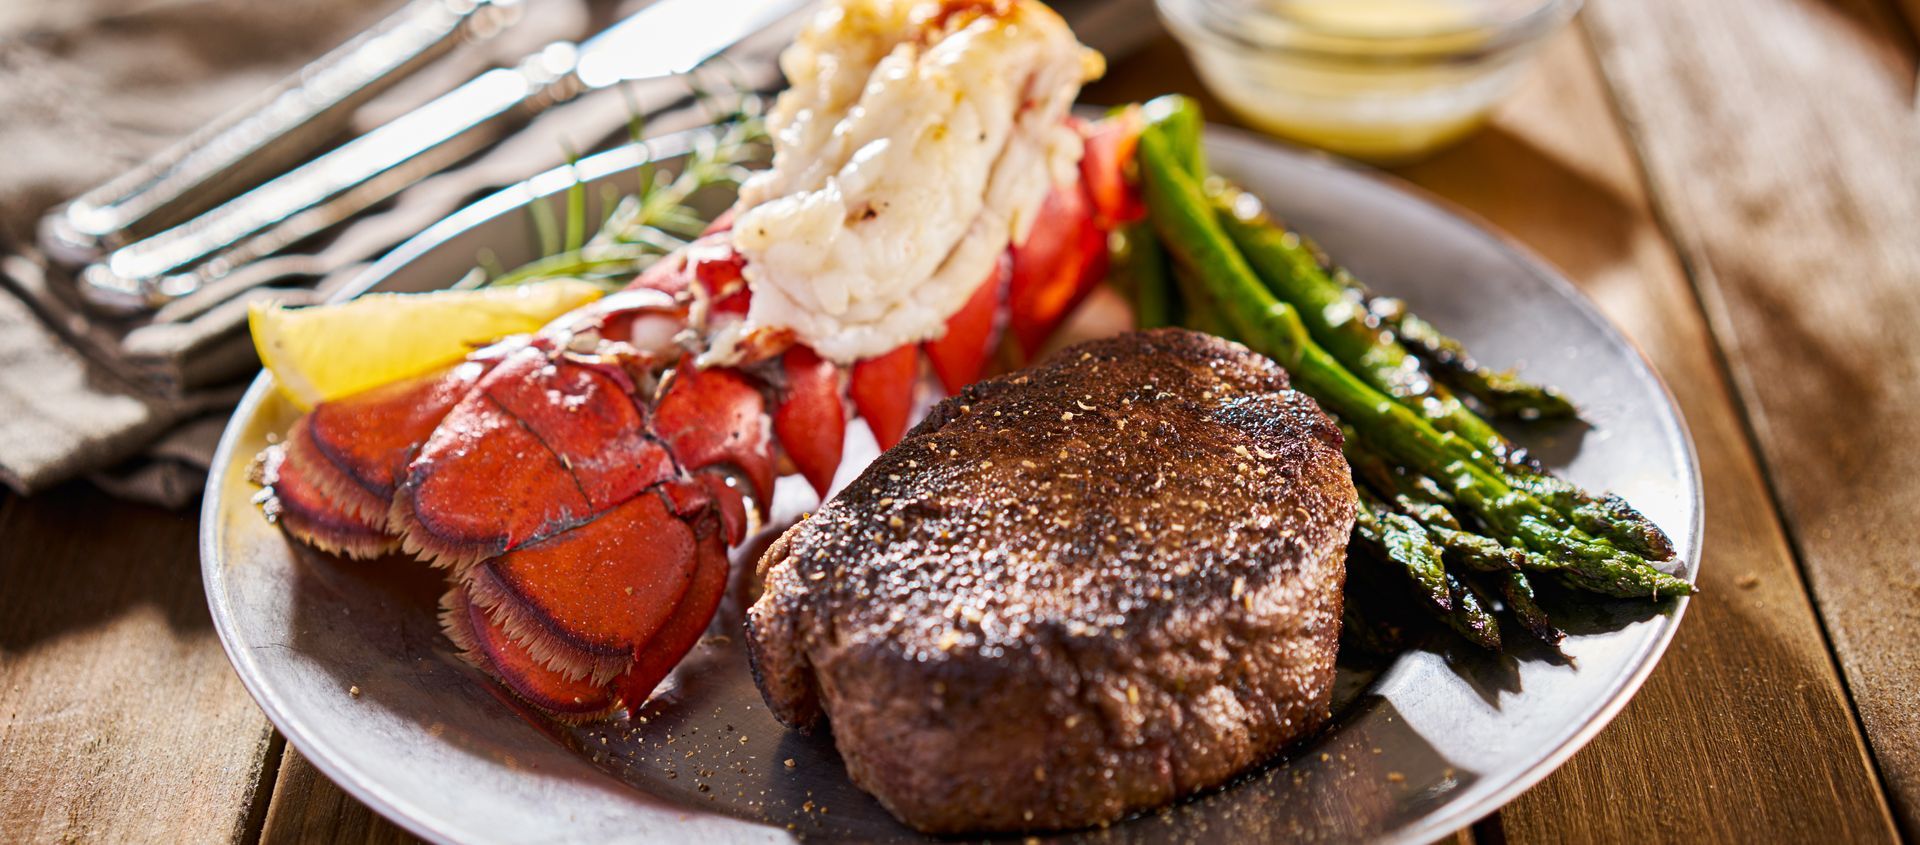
(1441, 19)
(1384, 80)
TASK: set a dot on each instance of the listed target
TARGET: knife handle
(267, 134)
(313, 197)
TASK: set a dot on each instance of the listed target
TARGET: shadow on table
(73, 557)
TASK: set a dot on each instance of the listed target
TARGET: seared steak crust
(1070, 593)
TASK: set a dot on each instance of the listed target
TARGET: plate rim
(1453, 816)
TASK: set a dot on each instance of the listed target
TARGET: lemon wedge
(322, 352)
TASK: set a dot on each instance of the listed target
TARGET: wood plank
(120, 720)
(1743, 732)
(1780, 141)
(308, 808)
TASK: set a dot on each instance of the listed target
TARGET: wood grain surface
(1743, 732)
(1736, 183)
(308, 809)
(1782, 146)
(120, 720)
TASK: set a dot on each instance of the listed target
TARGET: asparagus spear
(1421, 498)
(1200, 313)
(1472, 617)
(1402, 541)
(1503, 393)
(1416, 495)
(1517, 589)
(1580, 565)
(1141, 270)
(1180, 212)
(1338, 320)
(1178, 120)
(1610, 517)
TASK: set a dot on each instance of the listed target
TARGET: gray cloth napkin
(88, 87)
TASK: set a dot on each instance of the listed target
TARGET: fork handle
(267, 134)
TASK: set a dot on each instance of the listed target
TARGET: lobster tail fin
(488, 647)
(811, 419)
(293, 495)
(882, 390)
(678, 636)
(959, 355)
(599, 590)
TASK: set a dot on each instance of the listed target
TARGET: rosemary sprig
(659, 217)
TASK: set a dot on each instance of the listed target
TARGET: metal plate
(347, 659)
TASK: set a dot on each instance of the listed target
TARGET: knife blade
(667, 38)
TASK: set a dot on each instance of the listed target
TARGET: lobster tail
(716, 420)
(541, 444)
(585, 527)
(959, 355)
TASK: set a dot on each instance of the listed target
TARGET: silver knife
(667, 38)
(269, 133)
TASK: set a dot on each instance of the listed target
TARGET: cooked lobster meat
(1072, 592)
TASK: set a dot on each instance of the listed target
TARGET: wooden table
(1735, 182)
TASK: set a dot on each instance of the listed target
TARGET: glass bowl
(1382, 80)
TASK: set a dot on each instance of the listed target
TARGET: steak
(1072, 592)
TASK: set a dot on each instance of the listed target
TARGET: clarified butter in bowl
(1382, 80)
